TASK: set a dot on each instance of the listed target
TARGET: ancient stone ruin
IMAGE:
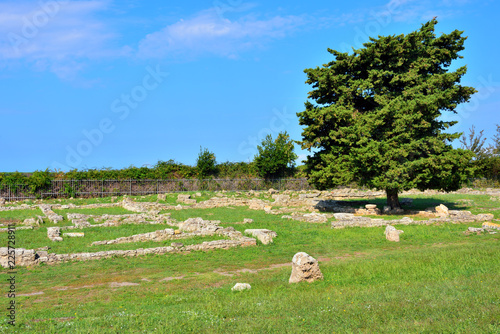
(392, 234)
(304, 268)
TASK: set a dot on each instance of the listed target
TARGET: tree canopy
(373, 116)
(276, 157)
(206, 163)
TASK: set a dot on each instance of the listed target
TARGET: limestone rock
(281, 198)
(54, 233)
(80, 223)
(392, 234)
(315, 217)
(33, 221)
(442, 210)
(344, 216)
(247, 221)
(304, 268)
(183, 197)
(241, 287)
(265, 236)
(477, 230)
(74, 235)
(2, 201)
(489, 226)
(272, 191)
(162, 197)
(371, 206)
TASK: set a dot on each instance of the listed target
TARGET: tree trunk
(393, 199)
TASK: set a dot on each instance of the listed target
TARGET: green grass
(115, 210)
(17, 216)
(435, 280)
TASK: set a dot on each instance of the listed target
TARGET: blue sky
(91, 84)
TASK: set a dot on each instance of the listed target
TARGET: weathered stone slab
(265, 236)
(74, 235)
(241, 287)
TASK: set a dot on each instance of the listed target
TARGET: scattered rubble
(186, 199)
(54, 233)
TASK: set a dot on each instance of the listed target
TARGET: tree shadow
(417, 204)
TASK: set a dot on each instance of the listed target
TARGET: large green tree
(373, 115)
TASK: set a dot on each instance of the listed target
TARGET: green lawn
(435, 280)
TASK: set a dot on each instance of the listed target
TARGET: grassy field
(435, 280)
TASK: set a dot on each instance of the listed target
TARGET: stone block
(392, 234)
(241, 287)
(304, 268)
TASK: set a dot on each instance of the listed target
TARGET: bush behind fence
(103, 188)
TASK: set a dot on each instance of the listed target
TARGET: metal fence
(103, 188)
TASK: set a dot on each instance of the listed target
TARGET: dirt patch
(223, 273)
(120, 284)
(64, 288)
(167, 279)
(30, 294)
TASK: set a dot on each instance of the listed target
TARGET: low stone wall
(187, 229)
(454, 216)
(160, 235)
(30, 257)
(23, 257)
(51, 215)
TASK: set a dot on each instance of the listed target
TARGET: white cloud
(55, 35)
(208, 33)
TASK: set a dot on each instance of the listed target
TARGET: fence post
(130, 187)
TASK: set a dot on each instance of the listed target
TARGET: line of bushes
(162, 170)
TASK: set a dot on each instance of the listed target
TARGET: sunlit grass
(435, 280)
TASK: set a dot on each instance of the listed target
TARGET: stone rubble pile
(54, 233)
(186, 199)
(33, 221)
